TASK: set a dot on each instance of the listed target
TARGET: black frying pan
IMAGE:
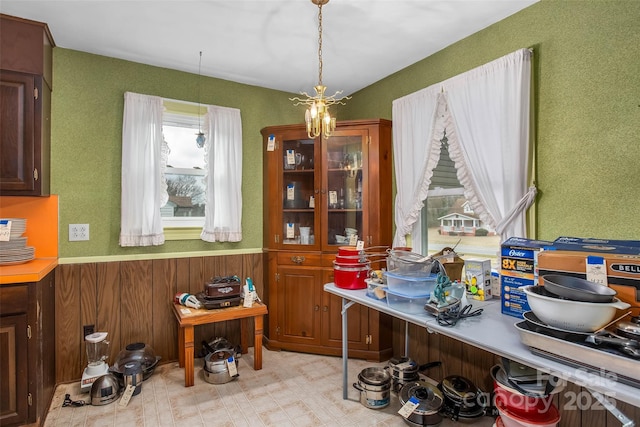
(577, 289)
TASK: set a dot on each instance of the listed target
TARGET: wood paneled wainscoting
(578, 408)
(131, 300)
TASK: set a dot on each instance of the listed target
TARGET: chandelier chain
(320, 43)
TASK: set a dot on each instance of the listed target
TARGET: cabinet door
(13, 369)
(357, 320)
(299, 302)
(292, 184)
(343, 181)
(18, 171)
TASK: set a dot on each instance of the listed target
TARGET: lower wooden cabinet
(304, 318)
(27, 351)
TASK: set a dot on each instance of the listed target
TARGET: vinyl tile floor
(291, 389)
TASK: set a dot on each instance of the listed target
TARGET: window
(144, 159)
(185, 171)
(448, 218)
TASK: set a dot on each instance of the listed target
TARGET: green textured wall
(87, 108)
(587, 93)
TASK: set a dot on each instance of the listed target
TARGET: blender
(97, 352)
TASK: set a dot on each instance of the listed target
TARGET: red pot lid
(550, 416)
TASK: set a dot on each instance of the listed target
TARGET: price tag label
(353, 240)
(291, 157)
(185, 311)
(271, 142)
(291, 194)
(359, 244)
(291, 228)
(126, 396)
(312, 202)
(5, 230)
(333, 197)
(231, 366)
(597, 270)
(408, 408)
(249, 296)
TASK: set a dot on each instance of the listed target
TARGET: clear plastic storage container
(411, 283)
(410, 304)
(376, 290)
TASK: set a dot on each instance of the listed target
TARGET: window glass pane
(449, 220)
(184, 173)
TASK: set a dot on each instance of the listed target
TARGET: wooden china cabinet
(315, 191)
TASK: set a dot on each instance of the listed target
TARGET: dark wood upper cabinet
(25, 106)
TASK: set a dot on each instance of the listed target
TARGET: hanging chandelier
(200, 138)
(317, 117)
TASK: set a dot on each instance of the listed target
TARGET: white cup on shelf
(305, 232)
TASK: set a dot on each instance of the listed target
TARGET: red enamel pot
(351, 276)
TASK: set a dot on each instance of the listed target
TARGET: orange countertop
(31, 271)
(41, 214)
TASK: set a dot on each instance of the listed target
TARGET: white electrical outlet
(78, 232)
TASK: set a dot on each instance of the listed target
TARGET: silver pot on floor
(374, 385)
(430, 401)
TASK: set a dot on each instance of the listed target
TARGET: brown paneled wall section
(131, 300)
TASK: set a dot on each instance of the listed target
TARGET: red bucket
(351, 276)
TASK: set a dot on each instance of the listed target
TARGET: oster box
(518, 268)
(620, 272)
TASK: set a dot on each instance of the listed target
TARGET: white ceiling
(267, 43)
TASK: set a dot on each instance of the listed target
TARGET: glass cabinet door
(345, 172)
(299, 196)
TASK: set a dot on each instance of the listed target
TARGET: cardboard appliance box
(620, 272)
(519, 267)
(626, 247)
(477, 278)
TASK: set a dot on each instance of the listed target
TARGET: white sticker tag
(126, 395)
(291, 192)
(271, 142)
(404, 365)
(333, 197)
(408, 408)
(291, 228)
(248, 299)
(291, 157)
(353, 239)
(359, 244)
(185, 311)
(312, 202)
(5, 230)
(231, 366)
(597, 270)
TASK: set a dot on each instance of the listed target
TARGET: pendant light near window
(200, 138)
(317, 117)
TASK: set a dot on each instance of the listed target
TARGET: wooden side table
(189, 317)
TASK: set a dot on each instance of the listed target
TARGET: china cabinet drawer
(300, 259)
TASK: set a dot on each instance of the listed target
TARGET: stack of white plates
(15, 250)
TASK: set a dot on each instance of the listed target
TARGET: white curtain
(144, 158)
(223, 163)
(486, 116)
(415, 155)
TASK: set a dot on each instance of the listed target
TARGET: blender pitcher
(97, 349)
(97, 352)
